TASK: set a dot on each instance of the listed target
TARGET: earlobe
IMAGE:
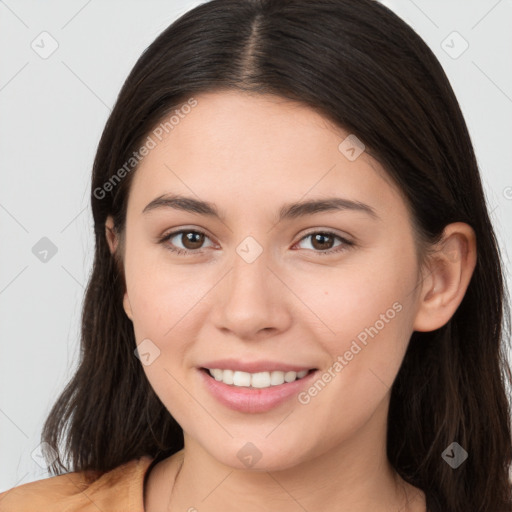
(127, 307)
(448, 277)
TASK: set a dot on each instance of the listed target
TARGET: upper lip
(253, 366)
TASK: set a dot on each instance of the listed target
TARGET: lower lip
(254, 400)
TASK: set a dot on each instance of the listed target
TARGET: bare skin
(249, 155)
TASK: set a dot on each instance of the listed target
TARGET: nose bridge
(250, 296)
(249, 273)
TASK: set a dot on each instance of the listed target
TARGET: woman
(297, 296)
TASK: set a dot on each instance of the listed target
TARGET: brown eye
(322, 242)
(191, 240)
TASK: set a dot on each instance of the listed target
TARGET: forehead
(252, 150)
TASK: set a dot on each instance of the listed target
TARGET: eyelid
(345, 237)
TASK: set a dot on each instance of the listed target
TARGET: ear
(110, 234)
(113, 242)
(447, 277)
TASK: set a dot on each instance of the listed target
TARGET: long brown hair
(361, 66)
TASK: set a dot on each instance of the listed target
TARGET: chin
(259, 455)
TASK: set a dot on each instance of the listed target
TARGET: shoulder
(120, 489)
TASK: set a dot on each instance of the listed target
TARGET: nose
(251, 302)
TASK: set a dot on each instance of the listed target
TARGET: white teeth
(216, 374)
(260, 380)
(255, 380)
(290, 376)
(227, 376)
(241, 379)
(276, 378)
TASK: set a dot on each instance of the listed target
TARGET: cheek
(350, 298)
(366, 312)
(160, 293)
(371, 334)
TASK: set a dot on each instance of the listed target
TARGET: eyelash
(347, 244)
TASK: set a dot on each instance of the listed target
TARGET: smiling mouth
(259, 380)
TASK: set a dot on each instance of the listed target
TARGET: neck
(354, 476)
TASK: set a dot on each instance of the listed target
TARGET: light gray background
(52, 112)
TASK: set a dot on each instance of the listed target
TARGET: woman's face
(331, 289)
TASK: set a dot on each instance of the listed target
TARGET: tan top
(119, 490)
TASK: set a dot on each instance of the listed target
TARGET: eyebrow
(288, 211)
